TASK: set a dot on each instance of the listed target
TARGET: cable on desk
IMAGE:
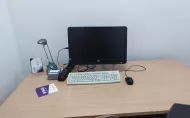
(82, 68)
(91, 67)
(58, 57)
(129, 69)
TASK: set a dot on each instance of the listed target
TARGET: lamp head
(42, 42)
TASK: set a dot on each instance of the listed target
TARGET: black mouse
(129, 80)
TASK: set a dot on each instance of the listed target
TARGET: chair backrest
(107, 116)
(179, 111)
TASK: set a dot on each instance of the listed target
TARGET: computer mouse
(129, 80)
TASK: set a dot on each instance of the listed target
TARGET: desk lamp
(51, 65)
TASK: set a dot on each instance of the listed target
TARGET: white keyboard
(94, 77)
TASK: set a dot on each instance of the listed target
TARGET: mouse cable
(129, 69)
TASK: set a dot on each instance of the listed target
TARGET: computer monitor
(97, 45)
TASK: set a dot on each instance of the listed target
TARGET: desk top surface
(164, 83)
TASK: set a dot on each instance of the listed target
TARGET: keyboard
(96, 77)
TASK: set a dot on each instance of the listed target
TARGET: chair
(179, 111)
(107, 116)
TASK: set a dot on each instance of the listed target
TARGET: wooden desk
(163, 83)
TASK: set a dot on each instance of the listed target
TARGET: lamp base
(51, 66)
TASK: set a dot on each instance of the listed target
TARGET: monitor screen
(97, 45)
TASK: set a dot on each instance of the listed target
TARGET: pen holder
(51, 66)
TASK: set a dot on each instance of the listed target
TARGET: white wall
(10, 73)
(156, 28)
